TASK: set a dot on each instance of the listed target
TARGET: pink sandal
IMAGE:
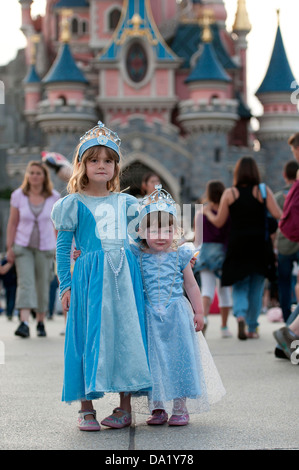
(157, 417)
(179, 420)
(88, 424)
(116, 422)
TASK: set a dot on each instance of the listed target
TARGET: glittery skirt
(183, 371)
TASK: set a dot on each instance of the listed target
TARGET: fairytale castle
(166, 75)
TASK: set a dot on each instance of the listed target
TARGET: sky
(262, 15)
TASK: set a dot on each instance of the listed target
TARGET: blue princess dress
(105, 341)
(183, 372)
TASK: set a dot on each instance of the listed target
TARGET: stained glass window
(137, 63)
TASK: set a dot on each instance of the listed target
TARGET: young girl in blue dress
(105, 344)
(184, 375)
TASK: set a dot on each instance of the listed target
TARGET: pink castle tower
(137, 70)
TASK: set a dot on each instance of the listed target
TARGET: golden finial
(35, 38)
(278, 16)
(207, 20)
(65, 35)
(137, 31)
(242, 22)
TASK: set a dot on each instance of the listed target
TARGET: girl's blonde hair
(47, 189)
(79, 180)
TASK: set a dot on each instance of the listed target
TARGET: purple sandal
(157, 417)
(113, 421)
(179, 420)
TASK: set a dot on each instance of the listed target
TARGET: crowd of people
(153, 343)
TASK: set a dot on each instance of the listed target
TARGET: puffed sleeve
(64, 213)
(185, 256)
(15, 198)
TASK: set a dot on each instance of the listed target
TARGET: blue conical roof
(71, 4)
(64, 68)
(32, 75)
(279, 76)
(208, 67)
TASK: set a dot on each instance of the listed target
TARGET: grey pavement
(259, 411)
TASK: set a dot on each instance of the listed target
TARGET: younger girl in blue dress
(105, 336)
(184, 375)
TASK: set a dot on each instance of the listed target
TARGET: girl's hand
(76, 254)
(65, 301)
(198, 321)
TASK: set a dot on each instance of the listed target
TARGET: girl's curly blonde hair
(79, 180)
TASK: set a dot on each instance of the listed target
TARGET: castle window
(217, 155)
(84, 27)
(136, 62)
(63, 99)
(75, 26)
(114, 18)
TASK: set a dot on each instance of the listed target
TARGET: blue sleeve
(64, 213)
(185, 256)
(63, 260)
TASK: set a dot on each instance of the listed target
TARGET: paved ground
(259, 411)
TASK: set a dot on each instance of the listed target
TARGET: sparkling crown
(159, 200)
(99, 135)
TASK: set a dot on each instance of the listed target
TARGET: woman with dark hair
(149, 182)
(245, 265)
(31, 243)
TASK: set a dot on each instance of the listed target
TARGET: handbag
(289, 222)
(270, 228)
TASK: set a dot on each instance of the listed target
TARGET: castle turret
(280, 118)
(242, 28)
(32, 85)
(209, 114)
(27, 24)
(65, 111)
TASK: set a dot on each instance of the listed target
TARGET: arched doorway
(135, 165)
(131, 178)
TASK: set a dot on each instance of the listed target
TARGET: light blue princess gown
(184, 374)
(105, 341)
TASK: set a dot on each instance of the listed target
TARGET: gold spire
(65, 35)
(278, 16)
(242, 22)
(34, 39)
(206, 22)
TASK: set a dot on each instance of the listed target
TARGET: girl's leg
(179, 406)
(125, 402)
(86, 405)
